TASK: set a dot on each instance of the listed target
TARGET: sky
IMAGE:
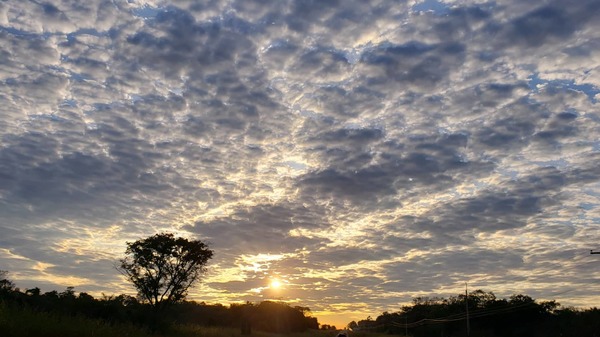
(362, 153)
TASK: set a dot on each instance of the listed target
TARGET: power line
(459, 317)
(483, 312)
(463, 316)
(456, 317)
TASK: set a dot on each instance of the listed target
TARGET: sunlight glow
(276, 284)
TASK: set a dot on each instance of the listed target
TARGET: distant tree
(51, 295)
(68, 294)
(352, 325)
(33, 291)
(85, 297)
(5, 283)
(162, 267)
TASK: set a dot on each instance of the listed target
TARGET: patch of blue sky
(355, 54)
(296, 165)
(24, 33)
(70, 36)
(352, 56)
(535, 82)
(85, 31)
(509, 173)
(587, 206)
(432, 6)
(134, 98)
(51, 117)
(591, 191)
(238, 25)
(559, 163)
(101, 107)
(177, 91)
(146, 12)
(75, 77)
(69, 102)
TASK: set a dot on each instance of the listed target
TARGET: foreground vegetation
(32, 313)
(18, 321)
(66, 314)
(26, 322)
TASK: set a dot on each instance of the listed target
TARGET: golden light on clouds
(259, 262)
(348, 156)
(100, 243)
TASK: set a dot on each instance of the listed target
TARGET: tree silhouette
(520, 315)
(5, 283)
(162, 267)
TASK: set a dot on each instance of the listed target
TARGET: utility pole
(467, 306)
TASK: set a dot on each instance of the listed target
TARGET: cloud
(365, 152)
(509, 205)
(447, 267)
(416, 65)
(263, 228)
(551, 23)
(420, 162)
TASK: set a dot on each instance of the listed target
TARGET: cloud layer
(364, 152)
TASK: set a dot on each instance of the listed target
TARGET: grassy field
(21, 322)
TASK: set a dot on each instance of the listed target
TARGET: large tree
(162, 267)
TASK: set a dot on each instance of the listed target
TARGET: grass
(201, 331)
(369, 334)
(25, 322)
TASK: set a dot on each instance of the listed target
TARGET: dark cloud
(561, 126)
(360, 186)
(305, 12)
(541, 26)
(263, 228)
(349, 255)
(554, 22)
(418, 65)
(356, 173)
(325, 63)
(508, 206)
(342, 104)
(175, 44)
(450, 266)
(459, 21)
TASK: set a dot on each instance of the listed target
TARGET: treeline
(520, 315)
(266, 316)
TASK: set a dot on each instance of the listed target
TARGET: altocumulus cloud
(364, 152)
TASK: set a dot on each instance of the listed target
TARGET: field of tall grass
(24, 322)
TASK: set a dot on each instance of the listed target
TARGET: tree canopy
(163, 267)
(5, 283)
(519, 315)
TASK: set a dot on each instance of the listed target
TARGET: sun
(275, 284)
